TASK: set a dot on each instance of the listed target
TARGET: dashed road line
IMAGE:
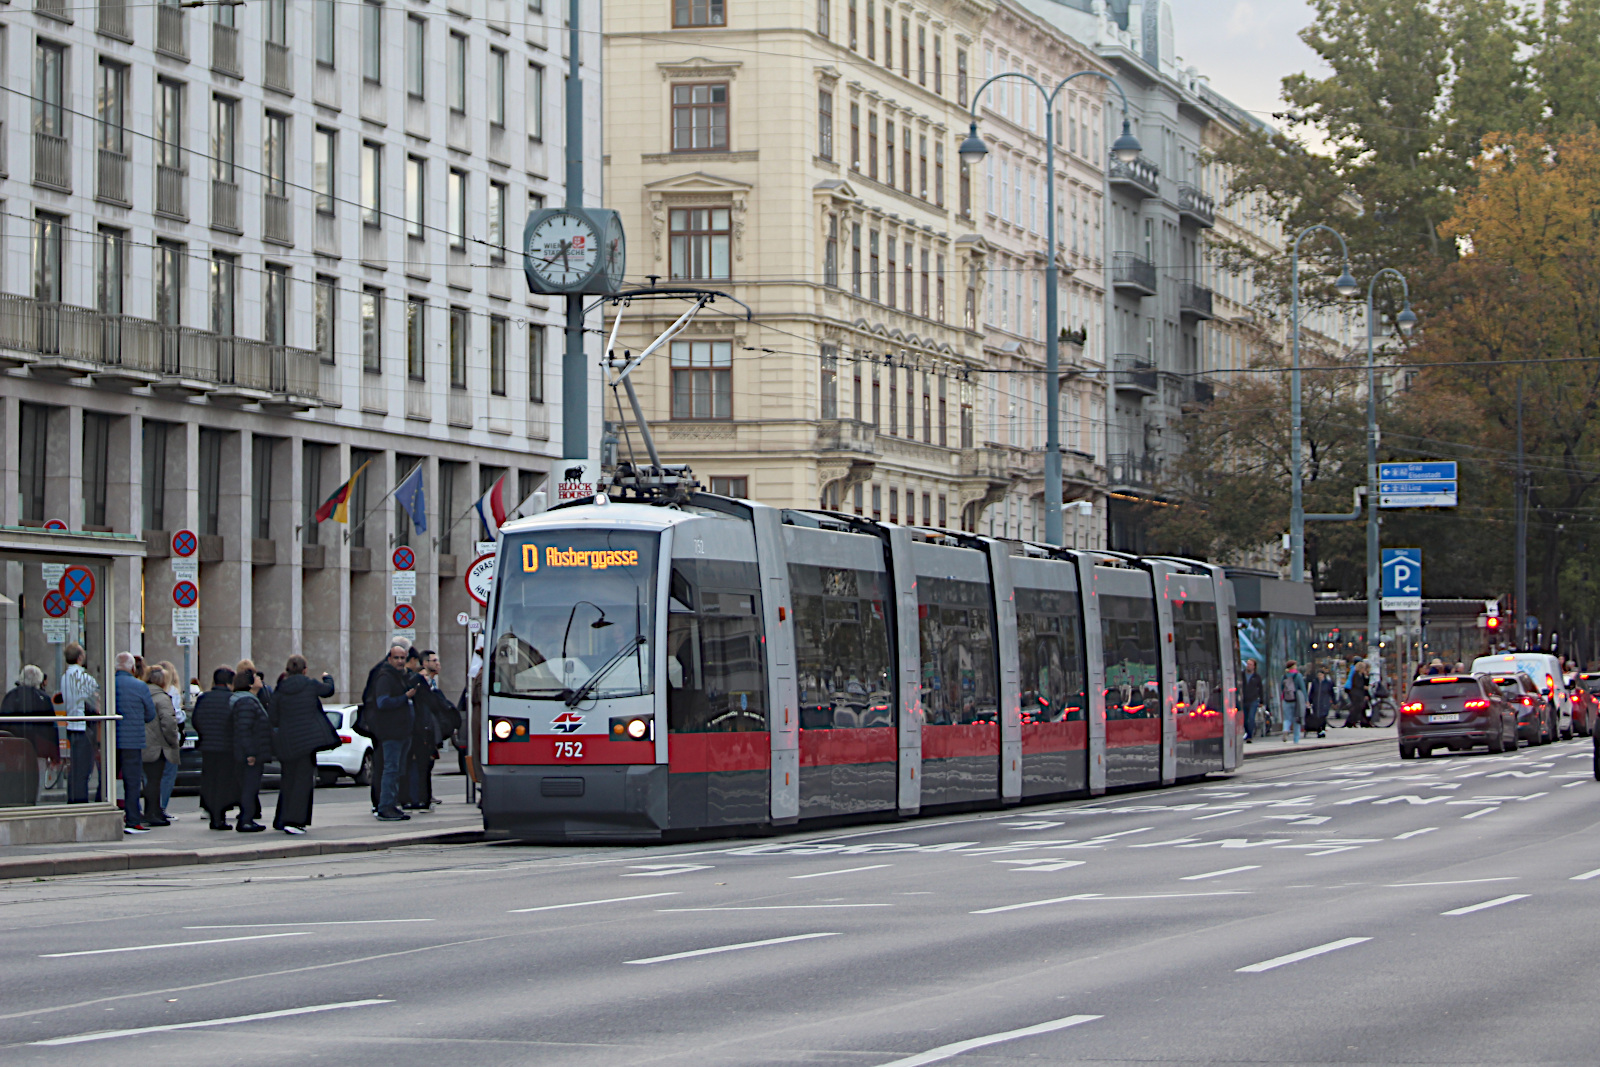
(1218, 874)
(945, 1052)
(844, 870)
(169, 944)
(1496, 902)
(1303, 954)
(589, 903)
(1409, 834)
(729, 948)
(107, 1035)
(1586, 875)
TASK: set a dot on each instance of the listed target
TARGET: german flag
(337, 506)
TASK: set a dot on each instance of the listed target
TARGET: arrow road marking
(1303, 954)
(945, 1052)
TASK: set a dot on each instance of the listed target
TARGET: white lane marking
(1409, 798)
(1303, 954)
(1569, 785)
(771, 907)
(169, 944)
(1463, 881)
(1033, 824)
(1043, 864)
(844, 870)
(1097, 896)
(1586, 875)
(325, 922)
(730, 948)
(587, 903)
(945, 1052)
(1480, 811)
(661, 870)
(107, 1035)
(1219, 814)
(1218, 874)
(1357, 800)
(1496, 902)
(1331, 851)
(1409, 834)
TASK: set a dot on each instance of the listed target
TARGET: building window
(456, 73)
(210, 481)
(830, 382)
(905, 48)
(700, 117)
(33, 448)
(911, 305)
(922, 55)
(964, 191)
(324, 156)
(536, 364)
(371, 330)
(877, 503)
(261, 485)
(110, 270)
(499, 328)
(224, 287)
(938, 65)
(698, 13)
(372, 42)
(851, 29)
(278, 22)
(275, 305)
(416, 55)
(905, 153)
(830, 253)
(872, 31)
(823, 11)
(111, 106)
(872, 264)
(944, 427)
(872, 145)
(458, 348)
(877, 397)
(456, 208)
(938, 173)
(499, 195)
(169, 123)
(325, 30)
(224, 139)
(535, 115)
(96, 461)
(888, 153)
(922, 166)
(275, 155)
(702, 379)
(894, 401)
(855, 258)
(824, 124)
(327, 310)
(416, 338)
(699, 240)
(310, 490)
(927, 420)
(497, 86)
(938, 289)
(961, 77)
(153, 485)
(855, 136)
(47, 248)
(170, 260)
(891, 271)
(415, 190)
(888, 36)
(729, 485)
(894, 505)
(371, 184)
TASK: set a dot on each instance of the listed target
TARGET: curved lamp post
(1406, 321)
(1126, 148)
(1344, 285)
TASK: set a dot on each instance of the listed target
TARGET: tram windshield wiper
(605, 668)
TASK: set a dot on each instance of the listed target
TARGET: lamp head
(1127, 147)
(1346, 285)
(973, 149)
(1406, 320)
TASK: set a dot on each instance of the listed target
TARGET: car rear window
(335, 719)
(1437, 690)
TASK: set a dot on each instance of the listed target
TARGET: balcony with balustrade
(111, 177)
(225, 206)
(1194, 300)
(1133, 273)
(277, 70)
(55, 9)
(52, 162)
(225, 50)
(277, 220)
(1133, 471)
(1139, 176)
(171, 199)
(172, 31)
(1195, 206)
(111, 19)
(1133, 374)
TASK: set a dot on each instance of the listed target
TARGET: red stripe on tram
(1198, 725)
(1129, 733)
(972, 739)
(826, 748)
(1055, 736)
(704, 753)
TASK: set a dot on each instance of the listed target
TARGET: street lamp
(1126, 149)
(1406, 321)
(1345, 285)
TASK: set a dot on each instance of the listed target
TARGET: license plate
(1444, 718)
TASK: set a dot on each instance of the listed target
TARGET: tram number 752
(569, 750)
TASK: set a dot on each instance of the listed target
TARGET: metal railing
(1142, 174)
(65, 332)
(170, 185)
(1130, 469)
(111, 176)
(52, 161)
(1132, 271)
(1194, 299)
(111, 18)
(1132, 374)
(56, 9)
(276, 223)
(171, 31)
(326, 238)
(1196, 204)
(458, 408)
(277, 72)
(224, 205)
(225, 50)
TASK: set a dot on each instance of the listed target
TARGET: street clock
(573, 250)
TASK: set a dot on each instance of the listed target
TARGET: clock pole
(574, 367)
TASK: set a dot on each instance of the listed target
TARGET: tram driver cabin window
(702, 380)
(700, 117)
(698, 13)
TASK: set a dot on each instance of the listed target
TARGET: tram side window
(842, 651)
(1050, 657)
(955, 630)
(1199, 654)
(716, 674)
(1132, 657)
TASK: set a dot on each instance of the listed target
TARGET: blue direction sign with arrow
(1402, 579)
(1417, 485)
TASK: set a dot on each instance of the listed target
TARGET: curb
(96, 863)
(1306, 747)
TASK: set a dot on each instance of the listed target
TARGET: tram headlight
(633, 728)
(508, 729)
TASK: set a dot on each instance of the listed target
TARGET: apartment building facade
(243, 255)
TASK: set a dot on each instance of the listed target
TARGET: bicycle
(1383, 712)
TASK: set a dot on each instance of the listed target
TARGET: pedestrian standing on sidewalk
(1292, 694)
(1321, 703)
(213, 722)
(162, 738)
(391, 728)
(300, 730)
(134, 709)
(80, 696)
(28, 698)
(169, 777)
(1253, 692)
(426, 733)
(1359, 697)
(252, 747)
(363, 726)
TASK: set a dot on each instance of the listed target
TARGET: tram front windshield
(574, 612)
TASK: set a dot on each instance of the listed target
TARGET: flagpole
(386, 496)
(468, 509)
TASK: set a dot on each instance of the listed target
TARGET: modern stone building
(243, 255)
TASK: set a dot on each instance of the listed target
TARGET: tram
(717, 666)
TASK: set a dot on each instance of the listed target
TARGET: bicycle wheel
(1383, 714)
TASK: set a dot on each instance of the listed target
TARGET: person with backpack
(1292, 696)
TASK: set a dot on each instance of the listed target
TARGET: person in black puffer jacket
(252, 747)
(391, 729)
(213, 721)
(300, 730)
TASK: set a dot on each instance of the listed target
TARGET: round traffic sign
(404, 558)
(55, 604)
(184, 594)
(480, 579)
(77, 585)
(185, 543)
(55, 526)
(404, 617)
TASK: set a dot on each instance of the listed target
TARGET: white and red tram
(719, 666)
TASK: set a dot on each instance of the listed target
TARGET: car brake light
(1528, 701)
(1412, 708)
(346, 739)
(1476, 705)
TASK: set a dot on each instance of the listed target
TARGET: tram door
(957, 639)
(1053, 678)
(1130, 652)
(1198, 689)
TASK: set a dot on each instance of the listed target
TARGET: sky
(1246, 47)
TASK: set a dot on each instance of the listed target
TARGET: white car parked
(353, 757)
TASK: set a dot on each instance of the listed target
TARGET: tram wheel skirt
(616, 802)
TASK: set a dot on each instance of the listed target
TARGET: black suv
(1458, 712)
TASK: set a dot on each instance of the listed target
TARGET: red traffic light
(1492, 622)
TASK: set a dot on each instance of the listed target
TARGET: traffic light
(1492, 623)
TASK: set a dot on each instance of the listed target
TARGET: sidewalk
(1338, 737)
(342, 821)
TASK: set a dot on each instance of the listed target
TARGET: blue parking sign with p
(1402, 574)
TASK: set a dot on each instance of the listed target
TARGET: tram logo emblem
(567, 722)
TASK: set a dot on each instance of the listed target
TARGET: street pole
(1344, 286)
(1126, 148)
(574, 367)
(1521, 611)
(1406, 320)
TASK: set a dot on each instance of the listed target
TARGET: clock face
(564, 250)
(616, 252)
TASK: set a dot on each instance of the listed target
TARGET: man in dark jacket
(363, 726)
(416, 786)
(1253, 693)
(252, 747)
(391, 729)
(301, 730)
(213, 721)
(134, 708)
